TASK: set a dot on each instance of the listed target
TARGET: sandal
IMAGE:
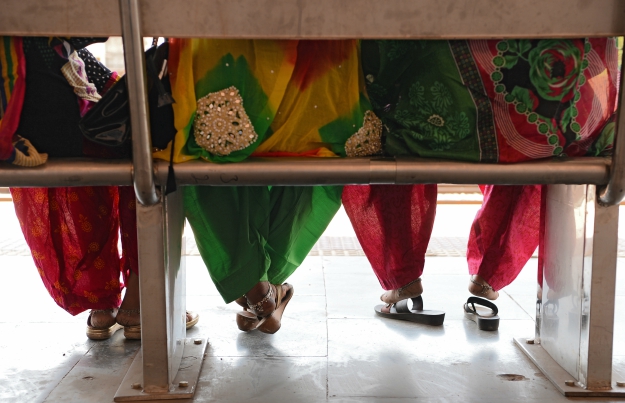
(133, 332)
(271, 324)
(246, 321)
(400, 310)
(485, 321)
(192, 318)
(101, 333)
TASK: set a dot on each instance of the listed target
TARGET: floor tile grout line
(323, 272)
(519, 305)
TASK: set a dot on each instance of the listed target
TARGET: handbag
(108, 121)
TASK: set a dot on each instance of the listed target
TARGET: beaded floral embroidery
(221, 125)
(367, 140)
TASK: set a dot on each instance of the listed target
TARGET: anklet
(401, 289)
(103, 310)
(485, 287)
(129, 311)
(258, 307)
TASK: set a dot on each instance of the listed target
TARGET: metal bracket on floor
(168, 364)
(558, 376)
(576, 296)
(182, 387)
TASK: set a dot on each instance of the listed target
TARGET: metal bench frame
(583, 194)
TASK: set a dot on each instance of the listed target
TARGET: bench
(583, 194)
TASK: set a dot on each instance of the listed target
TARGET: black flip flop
(484, 322)
(400, 311)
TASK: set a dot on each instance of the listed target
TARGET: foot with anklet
(101, 323)
(410, 290)
(480, 288)
(396, 305)
(129, 313)
(479, 310)
(263, 307)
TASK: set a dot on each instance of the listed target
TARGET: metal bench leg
(168, 365)
(575, 316)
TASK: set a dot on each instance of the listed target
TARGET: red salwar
(394, 223)
(73, 237)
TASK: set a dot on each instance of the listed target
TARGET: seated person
(236, 98)
(497, 101)
(72, 231)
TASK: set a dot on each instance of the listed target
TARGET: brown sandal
(246, 321)
(133, 332)
(253, 313)
(272, 323)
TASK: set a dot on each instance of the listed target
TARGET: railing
(310, 19)
(293, 19)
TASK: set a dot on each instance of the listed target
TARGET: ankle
(129, 317)
(410, 290)
(480, 288)
(131, 297)
(261, 299)
(258, 292)
(102, 318)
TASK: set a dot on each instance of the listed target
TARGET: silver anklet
(401, 289)
(485, 287)
(258, 307)
(128, 311)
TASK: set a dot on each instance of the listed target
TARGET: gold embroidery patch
(367, 140)
(221, 125)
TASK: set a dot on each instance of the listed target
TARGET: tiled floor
(331, 348)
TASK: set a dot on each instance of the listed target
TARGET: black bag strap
(164, 97)
(171, 187)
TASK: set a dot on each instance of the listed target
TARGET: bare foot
(410, 290)
(129, 313)
(480, 288)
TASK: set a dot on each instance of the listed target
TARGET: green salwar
(302, 99)
(250, 234)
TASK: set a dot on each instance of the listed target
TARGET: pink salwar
(394, 223)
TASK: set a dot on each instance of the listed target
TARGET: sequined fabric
(367, 140)
(221, 124)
